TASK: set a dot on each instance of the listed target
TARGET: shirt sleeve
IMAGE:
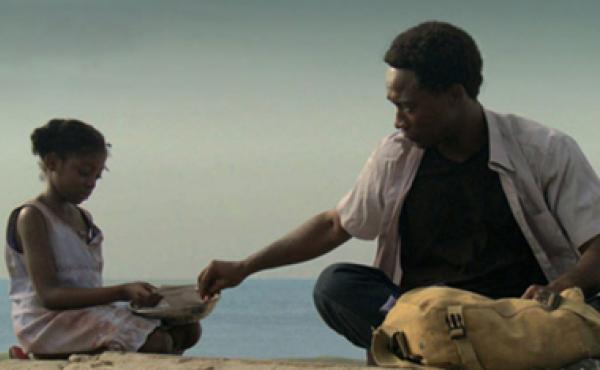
(572, 188)
(361, 209)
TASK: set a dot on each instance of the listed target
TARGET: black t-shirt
(457, 229)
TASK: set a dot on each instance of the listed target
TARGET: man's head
(434, 75)
(440, 55)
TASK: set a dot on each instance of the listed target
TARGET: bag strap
(458, 334)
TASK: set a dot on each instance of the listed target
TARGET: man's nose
(400, 122)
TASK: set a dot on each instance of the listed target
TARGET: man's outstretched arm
(585, 275)
(319, 235)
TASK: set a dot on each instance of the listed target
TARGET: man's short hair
(440, 55)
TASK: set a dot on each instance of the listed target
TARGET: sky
(232, 122)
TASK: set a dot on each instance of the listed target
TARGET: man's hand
(317, 236)
(533, 291)
(219, 275)
(557, 286)
(584, 275)
(141, 294)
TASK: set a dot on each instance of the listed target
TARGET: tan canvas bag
(455, 329)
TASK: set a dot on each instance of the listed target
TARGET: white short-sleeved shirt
(552, 190)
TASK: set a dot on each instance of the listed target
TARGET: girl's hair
(67, 136)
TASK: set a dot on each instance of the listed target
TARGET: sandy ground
(136, 361)
(131, 361)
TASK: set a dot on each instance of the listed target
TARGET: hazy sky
(233, 121)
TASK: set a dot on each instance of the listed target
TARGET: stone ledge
(136, 361)
(127, 361)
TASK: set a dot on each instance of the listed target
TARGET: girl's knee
(194, 332)
(159, 341)
(186, 336)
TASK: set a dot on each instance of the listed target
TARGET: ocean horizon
(260, 319)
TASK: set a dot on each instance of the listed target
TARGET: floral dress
(79, 264)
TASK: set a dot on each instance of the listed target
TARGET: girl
(54, 260)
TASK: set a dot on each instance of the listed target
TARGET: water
(264, 319)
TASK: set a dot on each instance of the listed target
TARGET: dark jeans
(349, 298)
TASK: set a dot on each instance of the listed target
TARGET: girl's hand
(141, 294)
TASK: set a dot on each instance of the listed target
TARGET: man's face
(425, 117)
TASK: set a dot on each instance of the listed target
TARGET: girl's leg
(159, 341)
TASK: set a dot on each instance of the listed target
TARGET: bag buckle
(549, 299)
(399, 347)
(456, 325)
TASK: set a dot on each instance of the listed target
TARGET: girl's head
(73, 155)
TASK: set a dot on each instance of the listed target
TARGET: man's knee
(330, 281)
(343, 281)
(335, 297)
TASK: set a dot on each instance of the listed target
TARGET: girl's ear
(51, 161)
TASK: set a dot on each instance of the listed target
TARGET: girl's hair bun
(66, 136)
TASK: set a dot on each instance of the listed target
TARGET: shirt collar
(498, 151)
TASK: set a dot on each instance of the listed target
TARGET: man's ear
(456, 92)
(51, 161)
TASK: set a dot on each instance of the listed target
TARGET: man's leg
(349, 298)
(594, 302)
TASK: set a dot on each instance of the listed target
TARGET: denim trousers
(349, 298)
(352, 298)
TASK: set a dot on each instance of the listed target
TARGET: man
(458, 196)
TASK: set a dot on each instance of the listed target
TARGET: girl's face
(74, 177)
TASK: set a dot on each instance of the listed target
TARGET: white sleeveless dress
(79, 264)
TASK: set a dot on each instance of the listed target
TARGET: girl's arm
(41, 266)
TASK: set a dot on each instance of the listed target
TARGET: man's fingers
(216, 288)
(528, 293)
(205, 281)
(531, 291)
(201, 280)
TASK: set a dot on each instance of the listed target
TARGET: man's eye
(407, 108)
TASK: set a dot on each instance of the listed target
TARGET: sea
(260, 319)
